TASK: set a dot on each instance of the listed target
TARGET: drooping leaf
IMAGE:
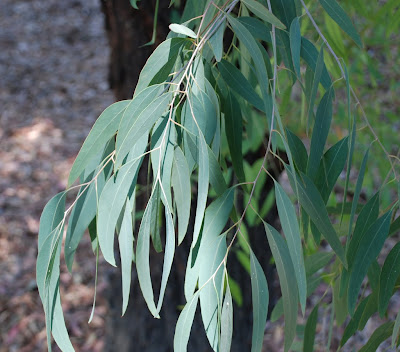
(369, 310)
(263, 13)
(396, 329)
(340, 304)
(142, 256)
(217, 42)
(285, 10)
(258, 29)
(211, 280)
(202, 190)
(317, 261)
(260, 301)
(287, 276)
(169, 253)
(161, 60)
(352, 326)
(389, 275)
(139, 123)
(217, 180)
(235, 79)
(226, 322)
(312, 202)
(112, 199)
(368, 249)
(104, 128)
(369, 213)
(184, 324)
(295, 44)
(309, 332)
(336, 12)
(234, 131)
(299, 152)
(320, 133)
(181, 185)
(125, 240)
(380, 334)
(216, 216)
(290, 226)
(309, 54)
(314, 88)
(182, 29)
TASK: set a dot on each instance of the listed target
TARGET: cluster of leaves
(196, 110)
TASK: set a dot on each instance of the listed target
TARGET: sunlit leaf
(181, 29)
(263, 13)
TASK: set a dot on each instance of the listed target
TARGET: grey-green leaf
(162, 60)
(380, 334)
(260, 300)
(139, 124)
(184, 324)
(290, 226)
(287, 276)
(389, 275)
(312, 202)
(181, 185)
(226, 321)
(104, 128)
(125, 241)
(235, 79)
(295, 44)
(309, 333)
(263, 13)
(336, 12)
(181, 29)
(396, 329)
(369, 248)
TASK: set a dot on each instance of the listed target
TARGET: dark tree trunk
(127, 30)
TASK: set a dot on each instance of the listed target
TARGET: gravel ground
(53, 84)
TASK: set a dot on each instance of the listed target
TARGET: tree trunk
(128, 29)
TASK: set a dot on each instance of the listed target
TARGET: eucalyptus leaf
(181, 29)
(263, 13)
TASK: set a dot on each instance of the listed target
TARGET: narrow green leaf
(368, 215)
(396, 330)
(290, 226)
(317, 261)
(125, 240)
(389, 275)
(217, 180)
(181, 29)
(298, 150)
(352, 326)
(234, 132)
(143, 254)
(340, 304)
(309, 333)
(263, 13)
(380, 334)
(211, 279)
(320, 133)
(235, 79)
(314, 88)
(169, 254)
(161, 60)
(181, 185)
(138, 125)
(313, 204)
(226, 322)
(370, 309)
(103, 129)
(309, 53)
(184, 324)
(369, 248)
(258, 29)
(357, 191)
(336, 12)
(295, 44)
(287, 276)
(260, 300)
(285, 10)
(202, 190)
